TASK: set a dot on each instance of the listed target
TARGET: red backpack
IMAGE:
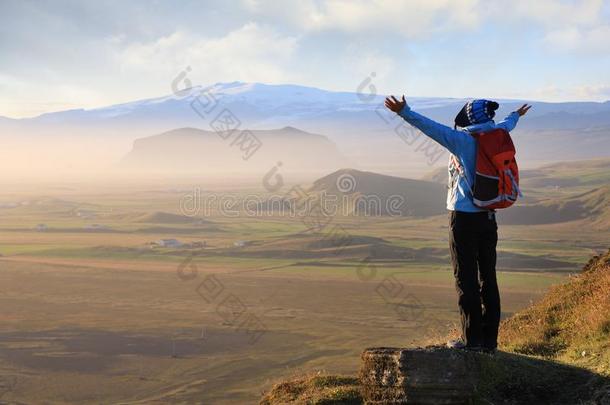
(496, 183)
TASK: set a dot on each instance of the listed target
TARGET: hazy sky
(58, 55)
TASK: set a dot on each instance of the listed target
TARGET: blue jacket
(463, 148)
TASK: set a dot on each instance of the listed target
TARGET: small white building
(41, 227)
(241, 243)
(171, 243)
(85, 214)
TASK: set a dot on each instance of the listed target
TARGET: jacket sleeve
(450, 138)
(510, 122)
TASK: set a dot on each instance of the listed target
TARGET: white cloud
(584, 92)
(566, 25)
(554, 13)
(131, 70)
(363, 64)
(588, 92)
(93, 56)
(250, 53)
(410, 18)
(580, 39)
(24, 98)
(573, 25)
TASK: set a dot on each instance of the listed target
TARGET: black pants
(473, 238)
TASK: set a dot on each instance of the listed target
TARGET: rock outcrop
(421, 376)
(441, 376)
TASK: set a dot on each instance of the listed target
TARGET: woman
(473, 230)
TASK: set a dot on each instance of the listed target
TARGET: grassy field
(100, 315)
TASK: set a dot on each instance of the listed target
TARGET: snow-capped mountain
(265, 100)
(266, 106)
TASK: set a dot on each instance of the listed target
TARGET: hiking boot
(460, 345)
(456, 344)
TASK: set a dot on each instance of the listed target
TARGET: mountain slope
(571, 323)
(592, 206)
(593, 172)
(361, 192)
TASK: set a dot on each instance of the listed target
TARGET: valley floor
(102, 315)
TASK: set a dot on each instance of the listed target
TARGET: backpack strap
(462, 172)
(460, 169)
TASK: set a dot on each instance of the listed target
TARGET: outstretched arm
(444, 135)
(510, 122)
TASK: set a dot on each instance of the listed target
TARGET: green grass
(572, 322)
(32, 249)
(315, 390)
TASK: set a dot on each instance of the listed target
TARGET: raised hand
(393, 104)
(523, 109)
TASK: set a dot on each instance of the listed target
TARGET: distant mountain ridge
(196, 150)
(260, 105)
(357, 122)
